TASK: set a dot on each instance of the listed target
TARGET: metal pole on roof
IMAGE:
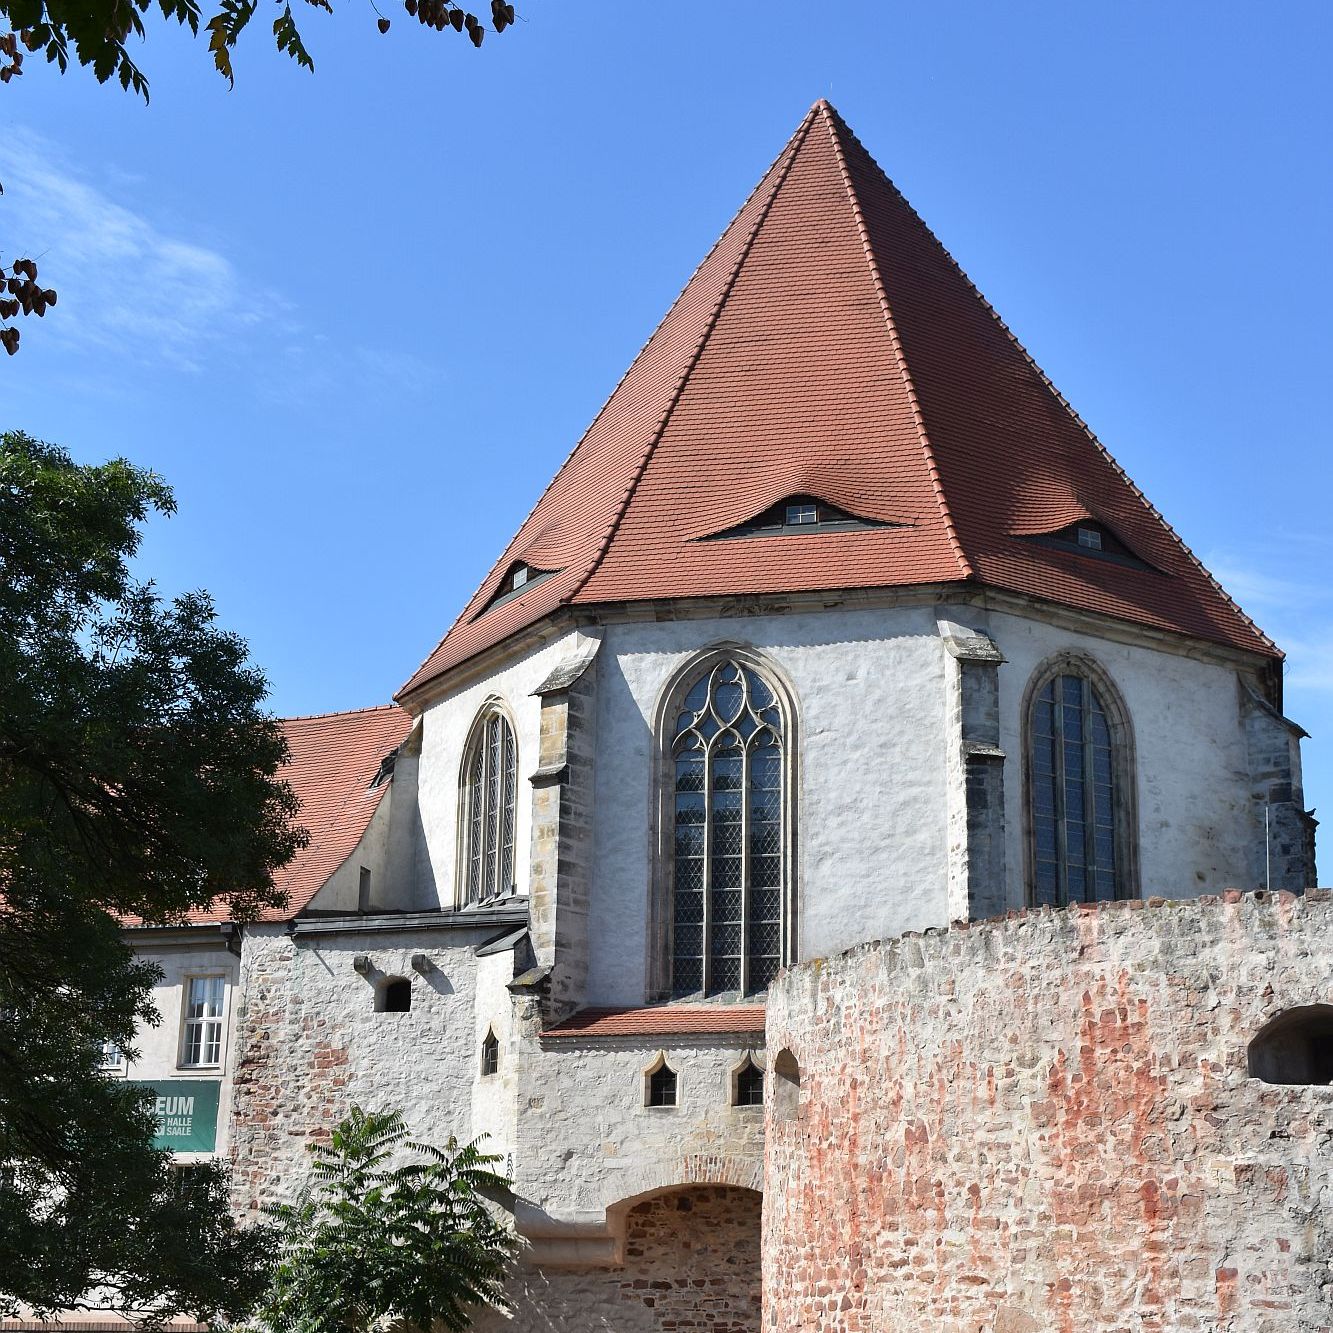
(1268, 846)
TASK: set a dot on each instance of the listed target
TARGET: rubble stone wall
(1047, 1123)
(691, 1266)
(310, 1043)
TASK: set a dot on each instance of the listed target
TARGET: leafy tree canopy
(138, 778)
(96, 32)
(374, 1238)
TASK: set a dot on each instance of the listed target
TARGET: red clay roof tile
(662, 1020)
(334, 759)
(829, 345)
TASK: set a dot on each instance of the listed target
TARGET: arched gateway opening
(686, 1260)
(692, 1261)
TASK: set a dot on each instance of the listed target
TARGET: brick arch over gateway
(695, 1169)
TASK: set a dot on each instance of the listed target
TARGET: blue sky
(358, 318)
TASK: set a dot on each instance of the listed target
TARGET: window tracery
(728, 866)
(488, 809)
(1078, 779)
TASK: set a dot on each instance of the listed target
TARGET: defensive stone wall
(1047, 1123)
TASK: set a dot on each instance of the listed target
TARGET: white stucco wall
(160, 1045)
(311, 1042)
(446, 725)
(873, 719)
(1197, 829)
(871, 798)
(586, 1139)
(342, 890)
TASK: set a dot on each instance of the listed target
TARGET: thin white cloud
(1297, 612)
(126, 286)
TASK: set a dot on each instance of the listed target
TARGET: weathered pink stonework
(1047, 1123)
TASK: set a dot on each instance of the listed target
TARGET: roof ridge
(1046, 380)
(789, 150)
(343, 712)
(835, 124)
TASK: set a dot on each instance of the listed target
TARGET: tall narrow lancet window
(1079, 795)
(487, 813)
(729, 866)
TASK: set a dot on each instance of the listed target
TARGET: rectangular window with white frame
(113, 1058)
(201, 1039)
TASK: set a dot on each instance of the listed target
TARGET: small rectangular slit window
(201, 1046)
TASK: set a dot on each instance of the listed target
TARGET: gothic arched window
(728, 877)
(1079, 787)
(487, 809)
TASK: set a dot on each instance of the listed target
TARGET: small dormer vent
(799, 515)
(1090, 537)
(520, 580)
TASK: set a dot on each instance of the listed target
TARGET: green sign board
(187, 1113)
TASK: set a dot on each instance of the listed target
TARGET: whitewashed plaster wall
(872, 800)
(310, 1042)
(1198, 831)
(495, 1097)
(871, 796)
(586, 1141)
(159, 1045)
(566, 1117)
(446, 725)
(342, 890)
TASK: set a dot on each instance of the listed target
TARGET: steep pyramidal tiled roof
(829, 345)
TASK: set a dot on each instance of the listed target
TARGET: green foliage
(368, 1241)
(96, 32)
(138, 778)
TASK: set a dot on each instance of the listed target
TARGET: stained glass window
(728, 866)
(489, 792)
(1073, 795)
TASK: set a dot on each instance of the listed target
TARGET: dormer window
(803, 514)
(1091, 538)
(521, 578)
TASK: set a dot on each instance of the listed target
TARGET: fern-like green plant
(386, 1229)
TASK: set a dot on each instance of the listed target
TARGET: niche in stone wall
(1296, 1047)
(393, 996)
(786, 1086)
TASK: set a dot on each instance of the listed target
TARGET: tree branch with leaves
(96, 33)
(139, 778)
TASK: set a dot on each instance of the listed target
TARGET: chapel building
(837, 625)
